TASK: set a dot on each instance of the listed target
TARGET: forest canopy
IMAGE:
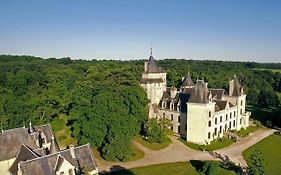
(103, 101)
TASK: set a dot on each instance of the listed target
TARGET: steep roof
(217, 93)
(54, 146)
(199, 92)
(152, 66)
(24, 154)
(187, 81)
(12, 140)
(46, 165)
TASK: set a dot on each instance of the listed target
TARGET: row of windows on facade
(225, 128)
(226, 117)
(70, 172)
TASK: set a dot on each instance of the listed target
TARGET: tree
(268, 98)
(256, 163)
(154, 131)
(210, 168)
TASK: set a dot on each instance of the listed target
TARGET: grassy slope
(273, 70)
(218, 144)
(177, 168)
(62, 132)
(153, 146)
(270, 147)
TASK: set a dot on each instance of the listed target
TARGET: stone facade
(197, 113)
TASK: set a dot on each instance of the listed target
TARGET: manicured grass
(270, 148)
(273, 70)
(217, 144)
(177, 168)
(63, 132)
(137, 154)
(247, 131)
(153, 146)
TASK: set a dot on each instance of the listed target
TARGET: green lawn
(62, 132)
(247, 131)
(215, 145)
(271, 149)
(153, 146)
(137, 154)
(177, 168)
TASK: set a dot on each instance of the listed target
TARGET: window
(233, 123)
(220, 129)
(234, 113)
(226, 116)
(210, 123)
(172, 128)
(172, 117)
(241, 102)
(163, 115)
(241, 111)
(210, 114)
(179, 119)
(225, 127)
(70, 172)
(230, 114)
(241, 121)
(179, 129)
(61, 173)
(215, 131)
(216, 120)
(230, 125)
(221, 119)
(209, 135)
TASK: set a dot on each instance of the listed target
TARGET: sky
(233, 30)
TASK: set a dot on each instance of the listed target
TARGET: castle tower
(200, 110)
(187, 82)
(153, 80)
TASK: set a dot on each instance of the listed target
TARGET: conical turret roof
(187, 81)
(54, 146)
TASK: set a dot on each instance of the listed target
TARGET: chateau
(198, 113)
(34, 150)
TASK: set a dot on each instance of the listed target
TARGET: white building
(198, 113)
(33, 150)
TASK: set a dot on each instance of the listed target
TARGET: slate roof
(187, 81)
(152, 66)
(45, 165)
(24, 154)
(12, 140)
(217, 93)
(199, 93)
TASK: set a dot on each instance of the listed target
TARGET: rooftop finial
(150, 49)
(31, 130)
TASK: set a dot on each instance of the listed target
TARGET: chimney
(231, 86)
(146, 66)
(173, 92)
(72, 152)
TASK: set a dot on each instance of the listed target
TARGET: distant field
(270, 148)
(178, 168)
(273, 70)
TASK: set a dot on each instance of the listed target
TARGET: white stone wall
(5, 165)
(197, 122)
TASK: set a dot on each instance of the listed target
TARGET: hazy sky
(241, 30)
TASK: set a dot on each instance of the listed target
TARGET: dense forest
(103, 101)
